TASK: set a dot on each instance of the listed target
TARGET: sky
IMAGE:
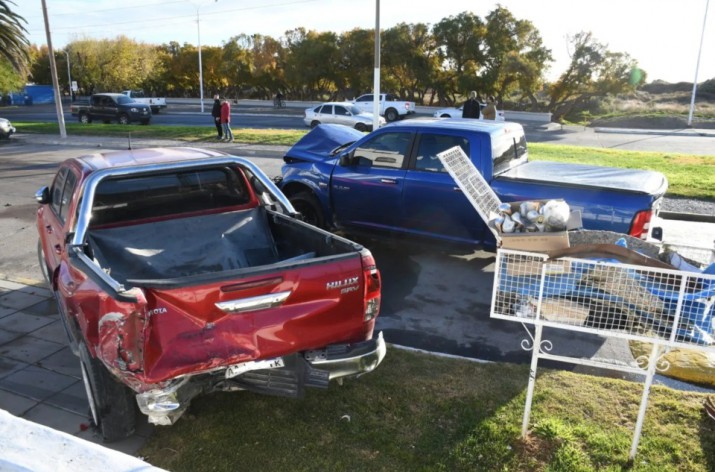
(664, 36)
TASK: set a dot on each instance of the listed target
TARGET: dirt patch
(651, 122)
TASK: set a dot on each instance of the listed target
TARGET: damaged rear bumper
(285, 376)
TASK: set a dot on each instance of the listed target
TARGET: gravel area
(685, 205)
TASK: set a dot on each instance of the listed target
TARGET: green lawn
(688, 175)
(419, 412)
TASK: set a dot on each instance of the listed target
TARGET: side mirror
(43, 195)
(346, 160)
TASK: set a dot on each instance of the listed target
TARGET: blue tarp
(33, 94)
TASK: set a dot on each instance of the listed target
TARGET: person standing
(216, 114)
(226, 121)
(490, 111)
(470, 109)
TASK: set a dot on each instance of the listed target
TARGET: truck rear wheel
(112, 404)
(84, 118)
(123, 119)
(391, 115)
(314, 123)
(307, 205)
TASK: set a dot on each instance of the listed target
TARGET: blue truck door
(433, 204)
(368, 193)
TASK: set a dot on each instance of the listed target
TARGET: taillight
(372, 285)
(641, 224)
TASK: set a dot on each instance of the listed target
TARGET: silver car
(6, 128)
(340, 113)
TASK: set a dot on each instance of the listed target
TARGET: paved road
(261, 114)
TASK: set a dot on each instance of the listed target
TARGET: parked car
(182, 271)
(6, 128)
(110, 107)
(390, 106)
(391, 181)
(156, 103)
(340, 113)
(456, 112)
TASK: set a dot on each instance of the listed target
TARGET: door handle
(58, 249)
(388, 181)
(49, 229)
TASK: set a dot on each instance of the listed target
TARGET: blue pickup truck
(391, 181)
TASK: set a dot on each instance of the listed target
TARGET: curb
(689, 132)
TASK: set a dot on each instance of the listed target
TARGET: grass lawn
(419, 412)
(689, 176)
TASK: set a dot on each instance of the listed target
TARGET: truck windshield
(508, 151)
(161, 195)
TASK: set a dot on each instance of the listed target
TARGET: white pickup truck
(155, 103)
(391, 107)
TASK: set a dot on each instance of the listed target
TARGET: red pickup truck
(183, 271)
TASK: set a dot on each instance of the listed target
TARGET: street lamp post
(697, 66)
(69, 76)
(201, 69)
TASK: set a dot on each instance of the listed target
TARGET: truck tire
(361, 127)
(314, 123)
(445, 115)
(307, 205)
(123, 119)
(84, 118)
(391, 115)
(112, 404)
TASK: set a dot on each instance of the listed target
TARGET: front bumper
(286, 376)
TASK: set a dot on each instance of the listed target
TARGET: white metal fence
(668, 308)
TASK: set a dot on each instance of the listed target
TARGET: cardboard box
(537, 241)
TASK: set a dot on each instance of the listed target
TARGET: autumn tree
(356, 60)
(594, 71)
(460, 40)
(310, 63)
(514, 57)
(410, 59)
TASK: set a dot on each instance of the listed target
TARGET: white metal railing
(668, 308)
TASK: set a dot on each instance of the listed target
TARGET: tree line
(497, 55)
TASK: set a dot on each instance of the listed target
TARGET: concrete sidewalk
(40, 378)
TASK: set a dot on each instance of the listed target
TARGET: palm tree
(13, 43)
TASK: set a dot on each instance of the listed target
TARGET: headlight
(134, 110)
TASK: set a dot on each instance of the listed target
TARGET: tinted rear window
(161, 195)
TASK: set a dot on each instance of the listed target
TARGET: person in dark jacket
(470, 109)
(216, 114)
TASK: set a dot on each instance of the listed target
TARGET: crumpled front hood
(320, 142)
(627, 180)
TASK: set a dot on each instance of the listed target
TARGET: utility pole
(376, 78)
(697, 66)
(53, 70)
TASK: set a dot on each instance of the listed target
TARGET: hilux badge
(342, 283)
